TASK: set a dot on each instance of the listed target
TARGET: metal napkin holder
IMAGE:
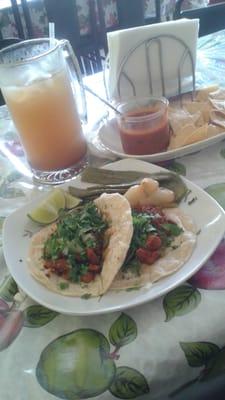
(147, 44)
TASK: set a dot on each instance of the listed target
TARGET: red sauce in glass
(144, 136)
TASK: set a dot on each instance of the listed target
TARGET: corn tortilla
(116, 210)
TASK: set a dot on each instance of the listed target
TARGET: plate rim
(165, 155)
(134, 302)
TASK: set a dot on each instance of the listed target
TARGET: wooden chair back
(65, 16)
(130, 14)
(18, 21)
(212, 17)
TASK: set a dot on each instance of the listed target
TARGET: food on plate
(83, 251)
(163, 238)
(114, 242)
(198, 119)
(203, 94)
(148, 193)
(112, 181)
(218, 116)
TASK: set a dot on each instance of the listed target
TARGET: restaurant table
(160, 350)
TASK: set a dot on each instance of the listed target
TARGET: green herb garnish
(63, 285)
(75, 233)
(143, 226)
(86, 296)
(147, 223)
(172, 229)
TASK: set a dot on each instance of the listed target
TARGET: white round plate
(109, 136)
(206, 212)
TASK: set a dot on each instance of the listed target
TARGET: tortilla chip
(214, 130)
(116, 209)
(197, 120)
(203, 94)
(180, 138)
(203, 107)
(218, 104)
(218, 94)
(179, 118)
(196, 136)
(218, 118)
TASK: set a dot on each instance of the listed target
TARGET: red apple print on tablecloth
(11, 323)
(12, 320)
(212, 274)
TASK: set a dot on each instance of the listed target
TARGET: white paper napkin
(122, 42)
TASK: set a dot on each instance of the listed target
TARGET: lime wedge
(71, 201)
(48, 210)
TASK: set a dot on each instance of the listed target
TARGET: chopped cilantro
(145, 224)
(134, 266)
(77, 270)
(133, 288)
(172, 229)
(174, 247)
(76, 232)
(86, 296)
(63, 285)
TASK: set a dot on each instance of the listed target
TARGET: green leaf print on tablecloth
(36, 316)
(202, 354)
(79, 365)
(123, 331)
(128, 384)
(7, 190)
(198, 354)
(8, 289)
(215, 366)
(217, 191)
(181, 301)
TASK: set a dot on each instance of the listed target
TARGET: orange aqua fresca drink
(36, 85)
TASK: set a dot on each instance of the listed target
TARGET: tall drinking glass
(41, 84)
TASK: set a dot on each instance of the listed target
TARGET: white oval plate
(206, 212)
(109, 136)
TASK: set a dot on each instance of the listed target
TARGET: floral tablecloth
(173, 347)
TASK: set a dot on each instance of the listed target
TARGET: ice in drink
(47, 120)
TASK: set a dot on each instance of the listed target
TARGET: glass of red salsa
(143, 125)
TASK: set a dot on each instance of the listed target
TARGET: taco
(82, 253)
(163, 237)
(167, 241)
(114, 242)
